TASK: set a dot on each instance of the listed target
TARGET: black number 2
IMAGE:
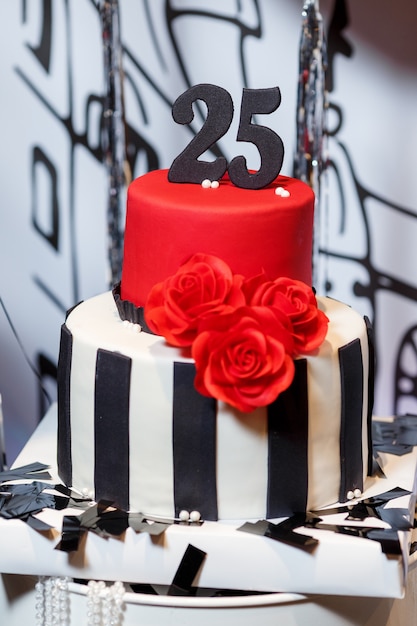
(187, 168)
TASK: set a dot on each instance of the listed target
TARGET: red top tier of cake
(252, 231)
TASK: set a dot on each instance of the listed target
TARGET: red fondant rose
(243, 358)
(298, 302)
(243, 333)
(203, 285)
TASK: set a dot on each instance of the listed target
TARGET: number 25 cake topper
(187, 168)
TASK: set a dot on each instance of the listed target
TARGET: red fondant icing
(250, 230)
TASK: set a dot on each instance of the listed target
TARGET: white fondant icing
(151, 434)
(242, 456)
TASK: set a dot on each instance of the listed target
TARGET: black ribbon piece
(24, 500)
(71, 534)
(182, 584)
(368, 507)
(26, 472)
(387, 537)
(397, 437)
(284, 531)
(397, 518)
(375, 506)
(105, 520)
(21, 501)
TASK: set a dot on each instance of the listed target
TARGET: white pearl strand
(52, 602)
(105, 604)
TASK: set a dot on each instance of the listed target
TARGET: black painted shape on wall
(41, 163)
(43, 51)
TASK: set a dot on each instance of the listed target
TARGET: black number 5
(188, 168)
(268, 143)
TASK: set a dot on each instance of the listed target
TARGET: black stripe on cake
(64, 457)
(371, 389)
(111, 428)
(288, 447)
(194, 446)
(351, 378)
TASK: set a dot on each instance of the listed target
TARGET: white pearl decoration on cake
(210, 184)
(186, 516)
(135, 328)
(354, 494)
(195, 516)
(280, 191)
(87, 493)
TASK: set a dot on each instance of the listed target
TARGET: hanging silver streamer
(310, 159)
(113, 142)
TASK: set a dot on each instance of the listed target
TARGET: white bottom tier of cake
(132, 428)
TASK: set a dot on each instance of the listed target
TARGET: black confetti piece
(26, 472)
(388, 538)
(38, 524)
(398, 519)
(71, 534)
(186, 572)
(397, 437)
(361, 511)
(141, 525)
(284, 531)
(25, 499)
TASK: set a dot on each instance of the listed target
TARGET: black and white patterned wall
(54, 244)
